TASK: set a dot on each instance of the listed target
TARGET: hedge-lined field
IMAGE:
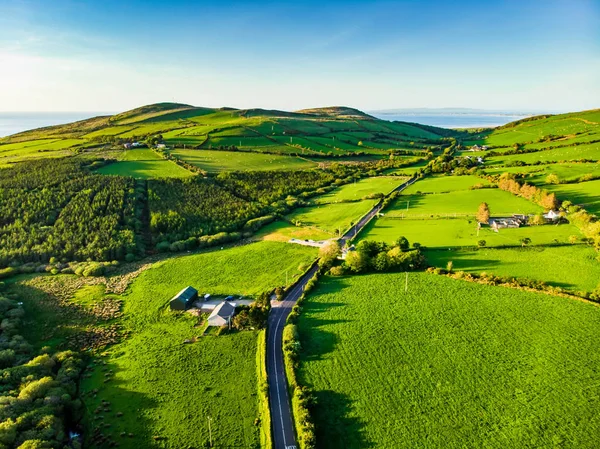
(448, 364)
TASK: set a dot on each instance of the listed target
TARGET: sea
(453, 120)
(16, 122)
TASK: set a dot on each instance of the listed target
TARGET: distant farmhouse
(184, 299)
(479, 148)
(516, 221)
(221, 315)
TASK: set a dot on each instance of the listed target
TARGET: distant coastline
(16, 122)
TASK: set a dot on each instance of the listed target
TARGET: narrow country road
(282, 424)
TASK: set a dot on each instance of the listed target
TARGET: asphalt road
(281, 411)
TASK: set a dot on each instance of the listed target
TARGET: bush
(129, 257)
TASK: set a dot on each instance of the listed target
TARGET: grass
(537, 174)
(441, 184)
(464, 202)
(145, 164)
(164, 388)
(459, 232)
(216, 161)
(333, 217)
(591, 152)
(448, 364)
(538, 263)
(280, 231)
(362, 189)
(585, 194)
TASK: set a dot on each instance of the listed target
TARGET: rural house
(184, 299)
(221, 315)
(552, 216)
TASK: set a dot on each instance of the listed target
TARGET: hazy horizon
(513, 55)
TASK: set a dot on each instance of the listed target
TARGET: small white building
(552, 215)
(161, 146)
(221, 315)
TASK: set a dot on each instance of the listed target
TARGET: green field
(145, 164)
(462, 202)
(153, 377)
(448, 364)
(537, 174)
(361, 189)
(281, 231)
(591, 152)
(332, 217)
(214, 161)
(442, 184)
(585, 194)
(538, 263)
(447, 233)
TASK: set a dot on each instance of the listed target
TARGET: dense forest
(38, 392)
(63, 210)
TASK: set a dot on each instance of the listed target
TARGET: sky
(525, 55)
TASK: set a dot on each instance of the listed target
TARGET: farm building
(552, 216)
(516, 221)
(184, 299)
(221, 315)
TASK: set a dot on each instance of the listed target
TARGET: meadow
(461, 202)
(537, 174)
(585, 194)
(214, 161)
(145, 164)
(444, 184)
(590, 152)
(448, 364)
(151, 377)
(281, 231)
(461, 232)
(331, 218)
(537, 263)
(361, 189)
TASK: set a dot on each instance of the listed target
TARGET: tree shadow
(335, 427)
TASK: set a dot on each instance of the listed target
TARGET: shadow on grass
(335, 427)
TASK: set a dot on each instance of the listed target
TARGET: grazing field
(144, 163)
(448, 364)
(361, 189)
(280, 231)
(442, 184)
(537, 263)
(585, 194)
(590, 151)
(151, 377)
(537, 174)
(332, 218)
(462, 202)
(446, 233)
(214, 161)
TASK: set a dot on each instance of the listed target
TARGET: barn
(221, 315)
(184, 299)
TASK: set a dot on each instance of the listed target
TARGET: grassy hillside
(448, 364)
(324, 131)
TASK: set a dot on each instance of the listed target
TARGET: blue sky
(115, 55)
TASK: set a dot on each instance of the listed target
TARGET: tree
(449, 266)
(525, 241)
(573, 239)
(402, 243)
(552, 178)
(357, 261)
(328, 253)
(483, 213)
(536, 220)
(481, 243)
(549, 201)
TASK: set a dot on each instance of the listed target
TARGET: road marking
(277, 376)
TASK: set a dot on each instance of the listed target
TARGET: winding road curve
(282, 424)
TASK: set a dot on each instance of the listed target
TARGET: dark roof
(224, 310)
(186, 294)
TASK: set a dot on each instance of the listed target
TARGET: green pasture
(584, 194)
(441, 184)
(460, 202)
(216, 161)
(449, 364)
(462, 232)
(589, 151)
(145, 164)
(281, 231)
(537, 174)
(361, 189)
(331, 217)
(545, 263)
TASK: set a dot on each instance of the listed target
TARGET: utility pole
(209, 431)
(407, 203)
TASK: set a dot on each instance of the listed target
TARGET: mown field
(214, 161)
(151, 377)
(448, 364)
(145, 164)
(538, 263)
(364, 188)
(331, 218)
(444, 184)
(281, 231)
(538, 174)
(585, 194)
(461, 232)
